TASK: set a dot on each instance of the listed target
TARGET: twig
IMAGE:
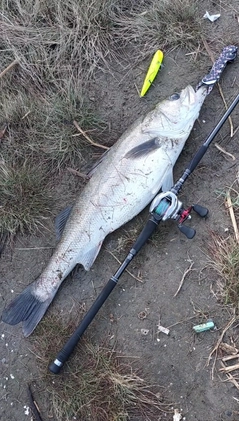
(230, 377)
(88, 138)
(182, 321)
(25, 115)
(215, 349)
(78, 173)
(229, 349)
(235, 131)
(230, 357)
(209, 51)
(34, 407)
(226, 106)
(131, 274)
(3, 131)
(8, 68)
(183, 278)
(229, 368)
(232, 215)
(224, 151)
(229, 324)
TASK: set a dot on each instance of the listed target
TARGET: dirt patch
(178, 361)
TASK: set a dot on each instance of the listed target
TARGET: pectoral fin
(144, 148)
(166, 181)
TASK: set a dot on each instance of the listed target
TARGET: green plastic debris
(204, 326)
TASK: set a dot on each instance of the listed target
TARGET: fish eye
(174, 97)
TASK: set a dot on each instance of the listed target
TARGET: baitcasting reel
(167, 206)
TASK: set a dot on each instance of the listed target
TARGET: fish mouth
(188, 95)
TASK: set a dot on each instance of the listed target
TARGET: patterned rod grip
(228, 54)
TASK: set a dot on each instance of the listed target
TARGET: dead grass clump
(55, 42)
(97, 384)
(25, 201)
(61, 44)
(164, 24)
(38, 138)
(60, 141)
(43, 129)
(224, 258)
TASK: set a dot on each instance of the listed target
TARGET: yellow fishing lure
(152, 71)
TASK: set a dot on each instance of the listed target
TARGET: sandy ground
(179, 361)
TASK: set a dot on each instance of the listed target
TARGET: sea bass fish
(126, 180)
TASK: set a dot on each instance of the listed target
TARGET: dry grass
(224, 259)
(97, 384)
(25, 201)
(57, 43)
(224, 251)
(161, 23)
(43, 129)
(40, 139)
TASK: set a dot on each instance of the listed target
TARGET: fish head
(180, 110)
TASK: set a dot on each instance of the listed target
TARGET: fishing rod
(164, 206)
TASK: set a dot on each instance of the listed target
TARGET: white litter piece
(212, 18)
(144, 332)
(27, 410)
(163, 329)
(177, 416)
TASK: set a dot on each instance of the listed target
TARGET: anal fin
(88, 259)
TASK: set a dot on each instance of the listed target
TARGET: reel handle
(200, 210)
(188, 231)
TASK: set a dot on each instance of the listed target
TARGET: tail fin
(26, 308)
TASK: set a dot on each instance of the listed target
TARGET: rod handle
(145, 234)
(70, 345)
